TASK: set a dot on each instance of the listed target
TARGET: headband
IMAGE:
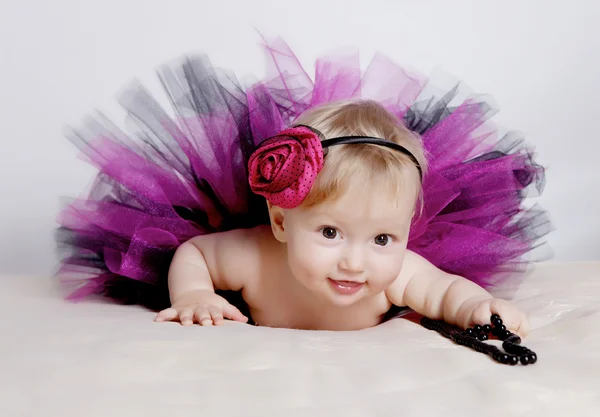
(284, 167)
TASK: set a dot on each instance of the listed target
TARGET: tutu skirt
(184, 173)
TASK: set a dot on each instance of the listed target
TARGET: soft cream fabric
(96, 359)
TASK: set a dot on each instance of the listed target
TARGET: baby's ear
(276, 214)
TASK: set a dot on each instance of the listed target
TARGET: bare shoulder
(234, 257)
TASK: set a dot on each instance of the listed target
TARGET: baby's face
(351, 248)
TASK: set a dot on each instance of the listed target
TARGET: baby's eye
(382, 240)
(329, 232)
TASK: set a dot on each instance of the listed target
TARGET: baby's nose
(353, 261)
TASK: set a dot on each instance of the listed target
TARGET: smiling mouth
(346, 287)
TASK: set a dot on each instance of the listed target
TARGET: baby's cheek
(309, 264)
(318, 264)
(385, 272)
(381, 283)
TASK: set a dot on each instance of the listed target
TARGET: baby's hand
(203, 306)
(513, 318)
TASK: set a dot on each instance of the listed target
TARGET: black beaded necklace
(473, 338)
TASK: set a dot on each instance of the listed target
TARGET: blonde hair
(353, 165)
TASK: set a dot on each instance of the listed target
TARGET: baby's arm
(441, 296)
(202, 265)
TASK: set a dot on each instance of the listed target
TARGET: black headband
(368, 140)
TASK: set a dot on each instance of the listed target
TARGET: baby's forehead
(373, 200)
(365, 211)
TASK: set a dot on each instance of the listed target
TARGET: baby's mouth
(346, 287)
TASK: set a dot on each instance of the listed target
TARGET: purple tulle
(185, 174)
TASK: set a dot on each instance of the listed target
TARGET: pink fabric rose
(284, 167)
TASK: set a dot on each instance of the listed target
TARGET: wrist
(461, 298)
(190, 293)
(468, 306)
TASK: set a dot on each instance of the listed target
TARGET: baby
(335, 254)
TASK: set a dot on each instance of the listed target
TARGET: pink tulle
(186, 174)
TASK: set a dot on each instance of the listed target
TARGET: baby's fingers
(523, 329)
(233, 313)
(509, 314)
(203, 316)
(167, 314)
(481, 314)
(186, 316)
(514, 320)
(216, 315)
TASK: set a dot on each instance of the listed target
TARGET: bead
(503, 334)
(501, 357)
(515, 349)
(494, 317)
(499, 328)
(473, 337)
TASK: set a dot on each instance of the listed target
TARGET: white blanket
(97, 359)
